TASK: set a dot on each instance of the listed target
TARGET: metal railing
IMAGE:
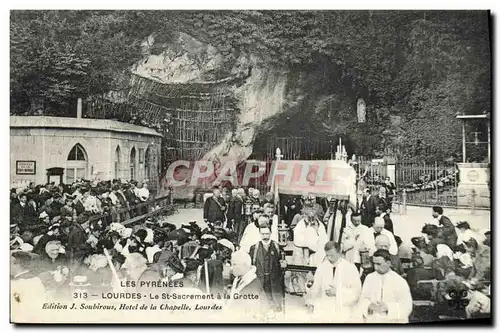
(165, 202)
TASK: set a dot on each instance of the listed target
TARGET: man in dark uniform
(390, 191)
(266, 257)
(368, 207)
(293, 207)
(214, 208)
(236, 214)
(131, 198)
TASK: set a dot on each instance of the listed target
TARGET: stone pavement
(405, 226)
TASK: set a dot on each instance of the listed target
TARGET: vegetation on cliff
(424, 66)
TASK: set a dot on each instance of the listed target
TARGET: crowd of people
(353, 267)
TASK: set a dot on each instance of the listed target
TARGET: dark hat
(487, 233)
(23, 257)
(463, 225)
(191, 265)
(164, 257)
(175, 263)
(418, 241)
(82, 218)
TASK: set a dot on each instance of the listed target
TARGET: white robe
(251, 236)
(347, 285)
(391, 289)
(393, 248)
(306, 237)
(354, 238)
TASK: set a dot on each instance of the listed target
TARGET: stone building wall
(49, 140)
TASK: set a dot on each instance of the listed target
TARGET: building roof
(79, 123)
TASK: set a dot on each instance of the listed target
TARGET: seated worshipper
(27, 292)
(53, 256)
(224, 249)
(77, 246)
(481, 257)
(464, 233)
(90, 202)
(52, 234)
(444, 264)
(336, 287)
(15, 239)
(434, 238)
(487, 240)
(247, 297)
(357, 240)
(479, 305)
(382, 242)
(166, 273)
(267, 258)
(215, 268)
(99, 275)
(378, 229)
(385, 297)
(134, 266)
(191, 279)
(96, 229)
(68, 209)
(251, 235)
(446, 227)
(44, 218)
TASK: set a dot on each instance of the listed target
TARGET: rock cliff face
(262, 95)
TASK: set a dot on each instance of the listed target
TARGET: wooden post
(331, 228)
(344, 220)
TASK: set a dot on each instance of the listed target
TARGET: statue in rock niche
(361, 111)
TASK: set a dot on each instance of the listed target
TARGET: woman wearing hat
(53, 256)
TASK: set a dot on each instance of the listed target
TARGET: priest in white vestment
(309, 239)
(357, 237)
(386, 296)
(336, 288)
(378, 229)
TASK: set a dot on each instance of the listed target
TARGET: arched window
(133, 163)
(76, 164)
(77, 153)
(117, 162)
